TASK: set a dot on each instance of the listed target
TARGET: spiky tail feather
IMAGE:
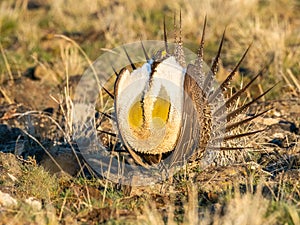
(204, 113)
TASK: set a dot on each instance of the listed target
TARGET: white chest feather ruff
(149, 104)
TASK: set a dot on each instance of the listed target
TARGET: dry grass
(247, 208)
(48, 37)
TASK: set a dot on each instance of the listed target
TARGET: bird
(170, 112)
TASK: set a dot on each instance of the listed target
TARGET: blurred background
(29, 29)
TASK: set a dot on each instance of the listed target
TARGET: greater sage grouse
(168, 112)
